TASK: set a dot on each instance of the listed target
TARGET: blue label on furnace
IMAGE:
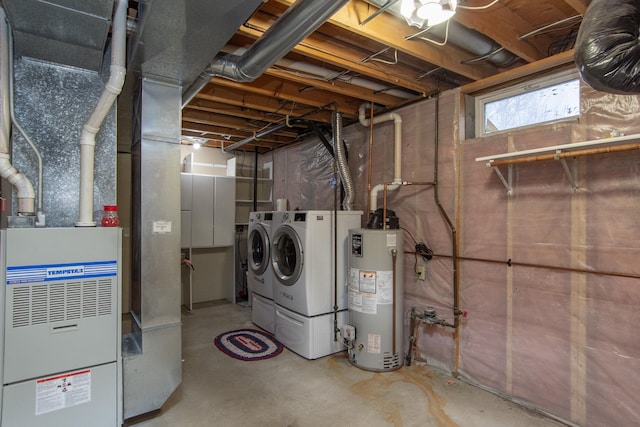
(55, 272)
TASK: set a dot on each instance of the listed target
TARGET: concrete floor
(290, 391)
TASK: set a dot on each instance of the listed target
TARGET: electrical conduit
(112, 89)
(397, 154)
(24, 188)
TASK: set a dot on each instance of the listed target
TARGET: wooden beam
(257, 102)
(207, 118)
(286, 90)
(390, 31)
(327, 50)
(564, 58)
(336, 86)
(230, 134)
(232, 110)
(579, 6)
(504, 27)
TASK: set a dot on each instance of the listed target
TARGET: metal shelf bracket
(508, 182)
(570, 172)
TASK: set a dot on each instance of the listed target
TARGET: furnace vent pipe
(343, 167)
(607, 51)
(24, 189)
(112, 89)
(397, 154)
(296, 23)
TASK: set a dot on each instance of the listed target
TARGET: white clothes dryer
(302, 257)
(259, 271)
(260, 274)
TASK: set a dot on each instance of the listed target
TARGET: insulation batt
(607, 50)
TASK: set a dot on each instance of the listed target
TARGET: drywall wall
(554, 330)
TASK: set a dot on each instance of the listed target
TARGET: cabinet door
(202, 211)
(224, 211)
(185, 229)
(186, 187)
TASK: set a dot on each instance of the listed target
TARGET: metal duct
(152, 367)
(343, 168)
(607, 51)
(300, 20)
(176, 39)
(461, 36)
(329, 75)
(474, 42)
(68, 32)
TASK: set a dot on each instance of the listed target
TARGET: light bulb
(428, 10)
(407, 7)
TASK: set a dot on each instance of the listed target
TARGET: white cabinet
(185, 229)
(211, 203)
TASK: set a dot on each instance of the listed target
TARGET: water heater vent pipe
(112, 89)
(397, 153)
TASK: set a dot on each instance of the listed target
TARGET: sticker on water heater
(369, 304)
(63, 391)
(373, 343)
(354, 279)
(385, 287)
(391, 240)
(355, 301)
(368, 281)
(161, 227)
(362, 302)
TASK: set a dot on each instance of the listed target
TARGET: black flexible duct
(607, 51)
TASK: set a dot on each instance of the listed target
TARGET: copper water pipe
(394, 255)
(368, 211)
(564, 154)
(384, 197)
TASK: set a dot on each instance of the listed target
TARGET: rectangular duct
(68, 32)
(152, 359)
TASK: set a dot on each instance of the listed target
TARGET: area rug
(248, 345)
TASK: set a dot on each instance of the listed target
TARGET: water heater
(375, 335)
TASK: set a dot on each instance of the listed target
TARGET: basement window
(545, 100)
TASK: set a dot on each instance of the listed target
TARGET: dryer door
(258, 249)
(287, 257)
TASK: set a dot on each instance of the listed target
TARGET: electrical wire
(437, 43)
(420, 249)
(479, 7)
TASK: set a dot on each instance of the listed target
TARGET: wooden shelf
(559, 153)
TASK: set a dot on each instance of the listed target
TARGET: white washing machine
(302, 256)
(259, 271)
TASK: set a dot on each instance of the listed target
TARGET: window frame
(519, 89)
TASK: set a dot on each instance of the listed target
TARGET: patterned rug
(248, 345)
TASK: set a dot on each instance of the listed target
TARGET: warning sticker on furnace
(63, 391)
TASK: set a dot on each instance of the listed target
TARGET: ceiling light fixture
(196, 145)
(429, 12)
